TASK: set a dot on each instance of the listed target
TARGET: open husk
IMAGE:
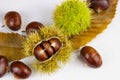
(62, 56)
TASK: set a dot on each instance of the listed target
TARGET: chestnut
(3, 66)
(20, 70)
(40, 53)
(99, 5)
(55, 43)
(91, 56)
(46, 49)
(13, 20)
(33, 26)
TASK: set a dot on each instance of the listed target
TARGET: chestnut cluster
(47, 49)
(13, 21)
(17, 68)
(99, 5)
(90, 56)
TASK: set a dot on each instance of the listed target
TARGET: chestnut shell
(13, 20)
(20, 70)
(99, 5)
(3, 66)
(33, 26)
(90, 56)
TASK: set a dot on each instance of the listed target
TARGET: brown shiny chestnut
(3, 66)
(47, 49)
(55, 43)
(20, 70)
(33, 26)
(99, 5)
(13, 20)
(91, 56)
(40, 53)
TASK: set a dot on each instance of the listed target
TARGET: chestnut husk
(62, 55)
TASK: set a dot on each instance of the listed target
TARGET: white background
(107, 43)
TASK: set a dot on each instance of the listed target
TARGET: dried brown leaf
(98, 24)
(11, 46)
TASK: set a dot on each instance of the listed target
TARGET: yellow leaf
(11, 46)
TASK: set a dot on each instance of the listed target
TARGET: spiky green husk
(73, 17)
(61, 57)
